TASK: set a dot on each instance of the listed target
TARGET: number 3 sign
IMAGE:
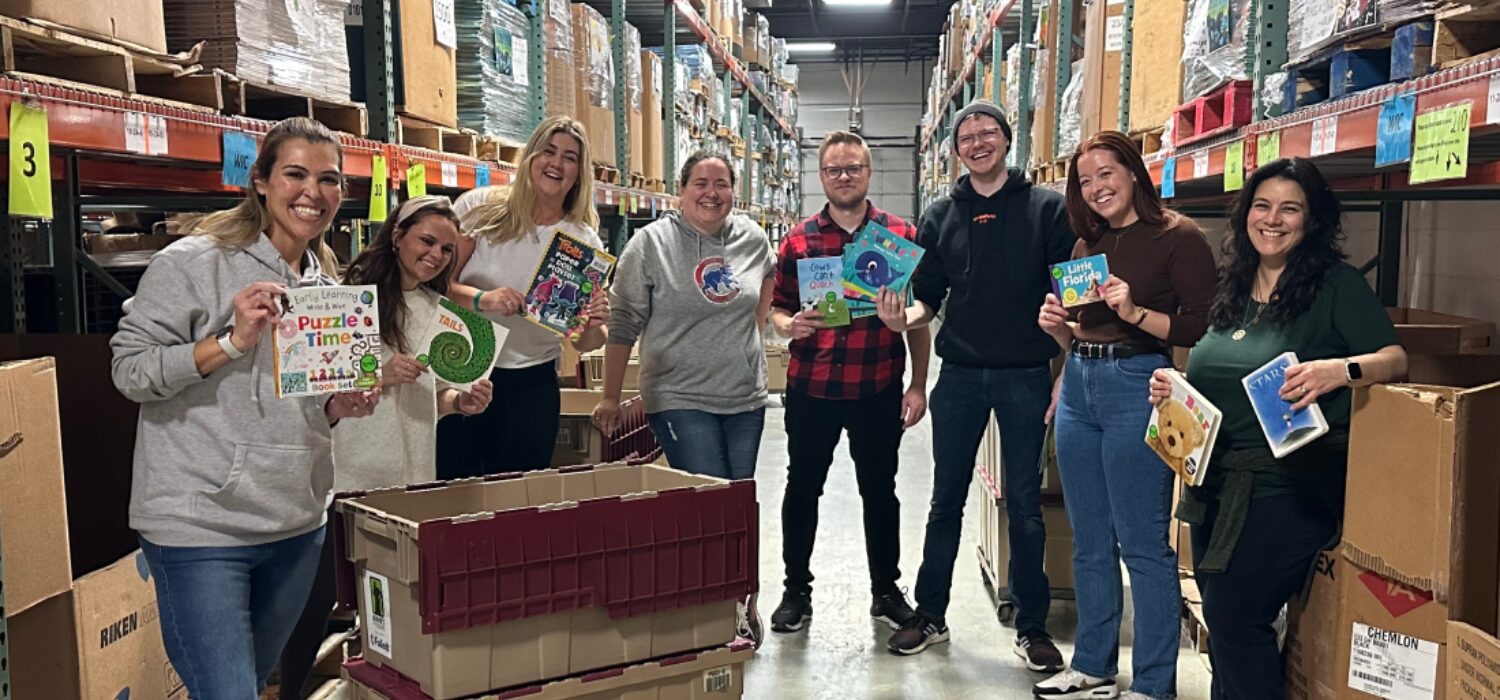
(30, 162)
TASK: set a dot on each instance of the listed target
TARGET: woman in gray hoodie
(231, 484)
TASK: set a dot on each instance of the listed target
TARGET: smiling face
(1108, 187)
(708, 195)
(302, 190)
(851, 185)
(554, 168)
(982, 145)
(1277, 219)
(426, 249)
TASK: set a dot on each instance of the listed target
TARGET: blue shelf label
(481, 175)
(1393, 139)
(1169, 178)
(239, 154)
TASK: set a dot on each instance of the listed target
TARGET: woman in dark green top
(1259, 522)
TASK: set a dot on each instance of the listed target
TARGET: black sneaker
(793, 614)
(892, 609)
(1040, 654)
(916, 635)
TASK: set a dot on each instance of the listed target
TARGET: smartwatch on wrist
(226, 343)
(1352, 371)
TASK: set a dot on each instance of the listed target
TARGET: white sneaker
(1132, 695)
(1075, 685)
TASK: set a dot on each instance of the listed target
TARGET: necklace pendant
(1239, 334)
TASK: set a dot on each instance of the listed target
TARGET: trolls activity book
(328, 341)
(568, 276)
(1286, 430)
(819, 286)
(878, 258)
(460, 345)
(1183, 428)
(1076, 282)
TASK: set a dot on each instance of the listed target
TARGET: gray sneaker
(1075, 685)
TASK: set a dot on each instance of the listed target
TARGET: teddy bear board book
(878, 258)
(327, 341)
(1183, 428)
(819, 288)
(567, 278)
(1286, 430)
(1076, 282)
(460, 345)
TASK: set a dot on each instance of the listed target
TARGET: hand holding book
(1307, 381)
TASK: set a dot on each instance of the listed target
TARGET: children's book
(1076, 282)
(1183, 428)
(1286, 430)
(570, 274)
(460, 345)
(819, 289)
(878, 258)
(328, 341)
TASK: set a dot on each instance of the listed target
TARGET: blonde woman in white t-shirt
(507, 229)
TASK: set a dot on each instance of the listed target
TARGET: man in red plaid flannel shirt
(843, 379)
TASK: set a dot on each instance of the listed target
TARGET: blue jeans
(961, 405)
(227, 611)
(699, 442)
(1119, 496)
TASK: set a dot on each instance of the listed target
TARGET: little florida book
(1183, 428)
(328, 341)
(569, 275)
(1076, 282)
(1286, 430)
(460, 345)
(878, 258)
(819, 288)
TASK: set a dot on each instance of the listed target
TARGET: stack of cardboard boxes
(994, 527)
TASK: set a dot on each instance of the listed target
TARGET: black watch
(1352, 371)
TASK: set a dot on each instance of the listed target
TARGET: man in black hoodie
(989, 245)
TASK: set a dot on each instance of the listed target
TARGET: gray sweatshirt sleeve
(153, 348)
(630, 295)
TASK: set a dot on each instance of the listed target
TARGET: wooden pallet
(657, 186)
(1385, 56)
(1465, 34)
(500, 149)
(1148, 140)
(55, 56)
(252, 99)
(1055, 171)
(606, 173)
(1219, 112)
(434, 137)
(637, 181)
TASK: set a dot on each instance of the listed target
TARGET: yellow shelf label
(30, 162)
(416, 180)
(1234, 167)
(380, 183)
(1442, 145)
(1268, 148)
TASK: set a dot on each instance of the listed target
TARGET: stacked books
(844, 288)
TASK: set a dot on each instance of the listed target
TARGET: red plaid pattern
(851, 362)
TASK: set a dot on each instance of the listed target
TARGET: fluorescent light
(811, 47)
(861, 3)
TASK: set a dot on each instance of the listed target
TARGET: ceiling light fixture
(811, 47)
(858, 3)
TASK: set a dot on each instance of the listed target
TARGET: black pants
(813, 427)
(301, 648)
(1281, 538)
(515, 434)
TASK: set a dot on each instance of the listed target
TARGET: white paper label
(560, 11)
(135, 132)
(442, 19)
(378, 613)
(354, 13)
(1116, 2)
(1392, 665)
(1325, 136)
(520, 60)
(1200, 164)
(156, 136)
(1492, 116)
(1318, 20)
(718, 680)
(1114, 33)
(450, 174)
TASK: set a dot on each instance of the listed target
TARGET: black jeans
(813, 427)
(515, 434)
(1281, 538)
(301, 648)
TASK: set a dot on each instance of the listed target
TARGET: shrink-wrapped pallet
(494, 78)
(298, 46)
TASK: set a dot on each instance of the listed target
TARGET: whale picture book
(460, 345)
(878, 258)
(568, 276)
(818, 286)
(327, 341)
(1183, 428)
(1286, 430)
(1076, 282)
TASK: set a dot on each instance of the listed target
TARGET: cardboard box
(1104, 46)
(138, 22)
(477, 585)
(995, 536)
(1156, 63)
(1312, 666)
(778, 362)
(101, 640)
(580, 442)
(652, 144)
(428, 85)
(593, 373)
(33, 504)
(990, 456)
(1422, 491)
(1392, 637)
(1473, 663)
(717, 674)
(592, 97)
(1431, 333)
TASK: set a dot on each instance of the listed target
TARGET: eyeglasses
(987, 136)
(835, 172)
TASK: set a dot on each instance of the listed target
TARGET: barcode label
(1373, 679)
(1392, 665)
(718, 680)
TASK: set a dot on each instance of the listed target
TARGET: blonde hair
(836, 137)
(240, 226)
(505, 213)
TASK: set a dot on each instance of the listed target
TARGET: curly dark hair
(1307, 265)
(379, 265)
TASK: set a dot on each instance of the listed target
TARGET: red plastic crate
(1219, 112)
(634, 442)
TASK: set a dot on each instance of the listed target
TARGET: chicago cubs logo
(716, 280)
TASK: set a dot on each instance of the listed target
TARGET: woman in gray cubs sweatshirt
(695, 287)
(231, 484)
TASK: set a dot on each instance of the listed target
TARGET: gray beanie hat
(986, 108)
